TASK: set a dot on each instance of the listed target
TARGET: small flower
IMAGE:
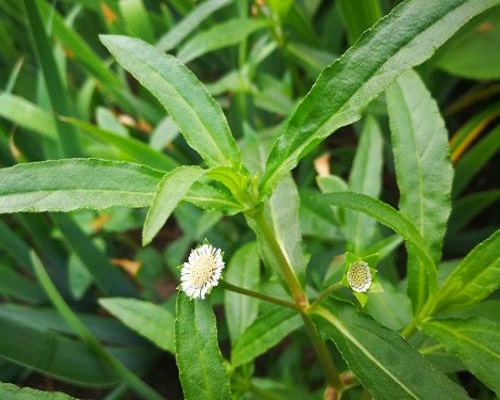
(202, 271)
(359, 276)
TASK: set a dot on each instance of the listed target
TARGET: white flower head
(202, 271)
(359, 276)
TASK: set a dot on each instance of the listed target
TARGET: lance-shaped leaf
(108, 278)
(201, 366)
(283, 213)
(66, 185)
(409, 35)
(179, 31)
(198, 115)
(476, 341)
(381, 359)
(13, 392)
(421, 156)
(206, 196)
(225, 34)
(28, 115)
(58, 97)
(243, 270)
(59, 356)
(172, 188)
(390, 217)
(149, 320)
(265, 332)
(423, 170)
(365, 177)
(475, 278)
(133, 148)
(476, 158)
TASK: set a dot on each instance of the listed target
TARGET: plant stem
(323, 354)
(410, 329)
(281, 259)
(431, 349)
(324, 294)
(266, 232)
(260, 296)
(427, 310)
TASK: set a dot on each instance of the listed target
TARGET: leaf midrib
(189, 107)
(83, 191)
(342, 329)
(467, 339)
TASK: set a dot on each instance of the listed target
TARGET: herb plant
(320, 288)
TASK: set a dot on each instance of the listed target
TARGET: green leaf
(224, 34)
(406, 37)
(468, 132)
(366, 178)
(79, 278)
(473, 51)
(314, 60)
(391, 307)
(18, 286)
(171, 189)
(182, 29)
(136, 19)
(53, 354)
(471, 163)
(153, 322)
(381, 359)
(475, 278)
(201, 366)
(485, 309)
(82, 331)
(108, 121)
(64, 358)
(198, 116)
(468, 207)
(333, 183)
(135, 149)
(282, 215)
(43, 318)
(243, 271)
(13, 392)
(66, 185)
(265, 332)
(107, 277)
(316, 220)
(476, 341)
(390, 217)
(423, 170)
(79, 48)
(358, 16)
(28, 115)
(15, 246)
(205, 196)
(58, 97)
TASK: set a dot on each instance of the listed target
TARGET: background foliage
(280, 132)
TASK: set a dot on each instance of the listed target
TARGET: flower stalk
(258, 295)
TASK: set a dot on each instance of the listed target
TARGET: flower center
(203, 270)
(359, 276)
